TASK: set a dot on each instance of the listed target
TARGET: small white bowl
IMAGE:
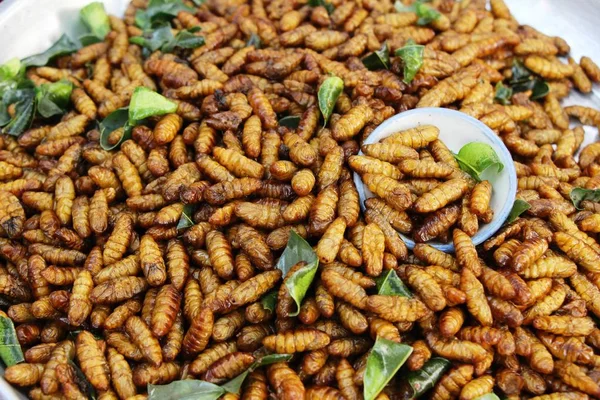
(456, 130)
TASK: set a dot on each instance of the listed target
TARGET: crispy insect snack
(425, 187)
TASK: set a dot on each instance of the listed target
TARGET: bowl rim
(505, 156)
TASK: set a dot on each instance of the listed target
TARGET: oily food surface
(392, 170)
(160, 260)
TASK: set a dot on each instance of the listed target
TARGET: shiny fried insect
(121, 375)
(61, 354)
(80, 305)
(119, 240)
(394, 193)
(296, 341)
(166, 308)
(285, 381)
(476, 301)
(92, 361)
(141, 335)
(252, 289)
(199, 333)
(152, 261)
(441, 195)
(352, 122)
(373, 246)
(344, 288)
(397, 309)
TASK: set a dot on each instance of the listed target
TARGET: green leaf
(115, 120)
(476, 157)
(379, 59)
(291, 121)
(72, 335)
(87, 39)
(254, 41)
(10, 349)
(142, 20)
(10, 69)
(53, 98)
(391, 285)
(269, 300)
(147, 103)
(24, 101)
(158, 12)
(488, 396)
(162, 38)
(198, 2)
(578, 195)
(518, 208)
(62, 47)
(425, 13)
(154, 40)
(82, 382)
(523, 80)
(234, 385)
(144, 103)
(538, 87)
(4, 115)
(187, 389)
(185, 221)
(520, 74)
(539, 90)
(299, 283)
(298, 250)
(202, 390)
(95, 18)
(412, 56)
(385, 359)
(424, 379)
(329, 91)
(503, 93)
(316, 3)
(185, 39)
(270, 359)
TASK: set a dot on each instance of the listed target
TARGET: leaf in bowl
(475, 157)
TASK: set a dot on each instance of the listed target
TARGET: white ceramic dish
(456, 130)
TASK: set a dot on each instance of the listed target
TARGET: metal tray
(31, 26)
